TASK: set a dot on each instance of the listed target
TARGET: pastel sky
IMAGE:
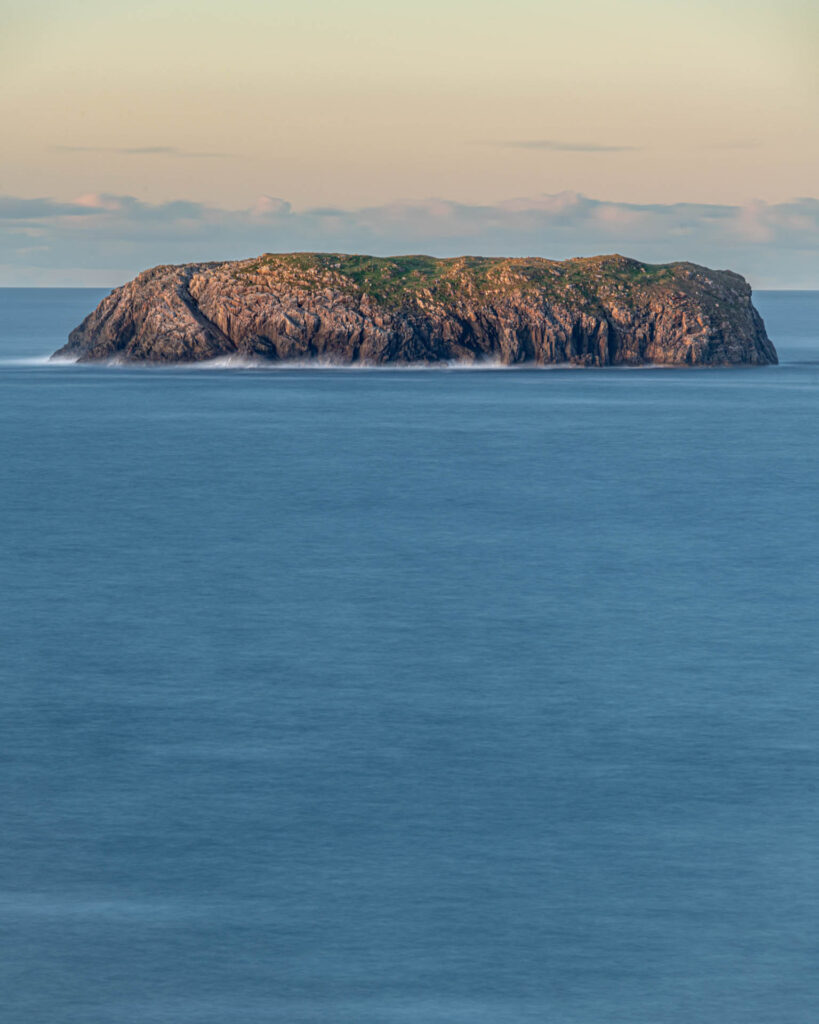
(174, 130)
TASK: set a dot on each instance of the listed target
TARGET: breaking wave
(37, 361)
(242, 362)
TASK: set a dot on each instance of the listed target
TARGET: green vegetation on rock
(392, 281)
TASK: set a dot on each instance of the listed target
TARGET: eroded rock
(597, 311)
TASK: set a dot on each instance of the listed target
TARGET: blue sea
(408, 697)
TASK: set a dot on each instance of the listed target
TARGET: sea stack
(337, 309)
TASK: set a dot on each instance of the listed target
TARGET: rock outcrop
(600, 311)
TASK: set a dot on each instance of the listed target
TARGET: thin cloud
(733, 144)
(140, 151)
(558, 146)
(773, 244)
(14, 208)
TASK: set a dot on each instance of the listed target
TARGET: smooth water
(435, 697)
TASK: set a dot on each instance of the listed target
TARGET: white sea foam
(242, 362)
(233, 362)
(38, 361)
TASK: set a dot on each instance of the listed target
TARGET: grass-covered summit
(395, 280)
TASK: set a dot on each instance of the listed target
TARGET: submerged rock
(597, 311)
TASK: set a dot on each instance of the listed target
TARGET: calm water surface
(408, 697)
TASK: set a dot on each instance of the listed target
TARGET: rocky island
(597, 311)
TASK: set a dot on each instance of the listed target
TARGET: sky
(170, 131)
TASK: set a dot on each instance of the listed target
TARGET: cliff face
(601, 311)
